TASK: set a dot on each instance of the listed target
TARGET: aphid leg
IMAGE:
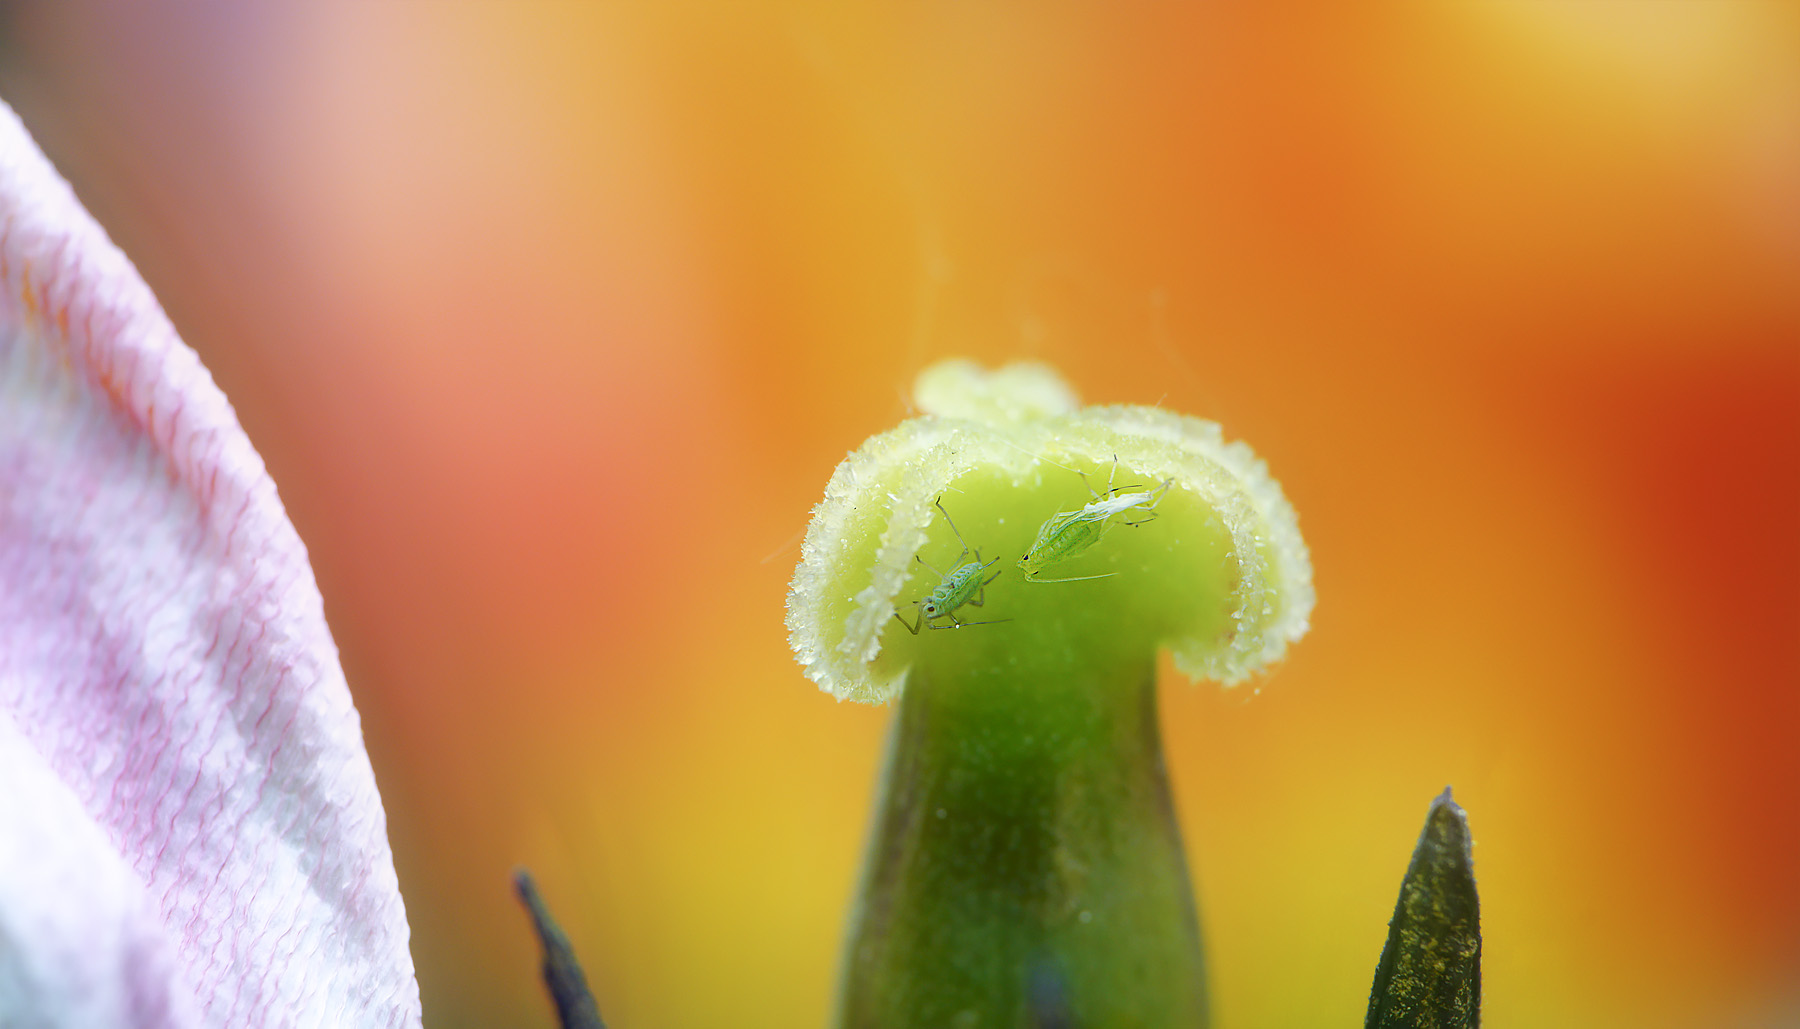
(1156, 496)
(1111, 490)
(1090, 486)
(914, 627)
(1109, 481)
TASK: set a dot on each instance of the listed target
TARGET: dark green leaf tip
(575, 1007)
(1430, 971)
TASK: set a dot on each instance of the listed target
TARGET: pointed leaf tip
(575, 1006)
(1429, 976)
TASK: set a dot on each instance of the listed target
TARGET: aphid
(964, 586)
(1068, 533)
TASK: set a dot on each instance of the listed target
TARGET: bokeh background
(552, 321)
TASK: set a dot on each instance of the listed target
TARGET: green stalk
(1026, 868)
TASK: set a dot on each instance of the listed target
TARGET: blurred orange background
(552, 321)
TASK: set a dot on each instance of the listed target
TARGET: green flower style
(1026, 867)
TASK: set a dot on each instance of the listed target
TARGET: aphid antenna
(1076, 578)
(792, 543)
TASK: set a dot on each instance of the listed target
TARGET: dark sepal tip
(575, 1007)
(1430, 971)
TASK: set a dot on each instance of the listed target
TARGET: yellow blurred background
(551, 322)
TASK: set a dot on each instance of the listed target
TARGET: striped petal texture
(190, 832)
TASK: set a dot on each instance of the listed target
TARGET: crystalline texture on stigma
(1019, 425)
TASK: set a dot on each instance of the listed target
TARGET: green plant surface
(1025, 867)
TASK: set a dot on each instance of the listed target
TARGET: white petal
(163, 648)
(105, 961)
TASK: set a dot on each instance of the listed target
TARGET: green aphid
(963, 587)
(1068, 533)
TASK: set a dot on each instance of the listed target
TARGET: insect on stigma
(963, 586)
(1066, 534)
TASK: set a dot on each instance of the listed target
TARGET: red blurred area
(551, 323)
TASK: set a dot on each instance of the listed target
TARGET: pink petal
(220, 851)
(102, 958)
